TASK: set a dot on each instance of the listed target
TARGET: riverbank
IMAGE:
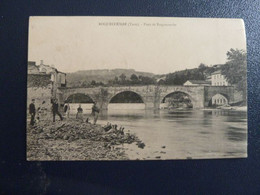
(240, 108)
(76, 140)
(235, 108)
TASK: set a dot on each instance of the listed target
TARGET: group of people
(55, 111)
(79, 115)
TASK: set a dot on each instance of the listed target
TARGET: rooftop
(33, 63)
(216, 72)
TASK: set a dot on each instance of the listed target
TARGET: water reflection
(185, 133)
(236, 134)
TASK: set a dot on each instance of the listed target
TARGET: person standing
(55, 110)
(67, 110)
(32, 112)
(79, 113)
(95, 112)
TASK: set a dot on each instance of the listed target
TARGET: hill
(109, 77)
(203, 72)
(101, 75)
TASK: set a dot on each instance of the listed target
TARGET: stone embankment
(76, 140)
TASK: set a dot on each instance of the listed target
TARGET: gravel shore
(76, 140)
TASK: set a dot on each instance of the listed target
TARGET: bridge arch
(185, 97)
(218, 99)
(79, 98)
(134, 94)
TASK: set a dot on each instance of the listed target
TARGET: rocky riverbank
(76, 140)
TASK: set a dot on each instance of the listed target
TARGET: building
(161, 79)
(43, 82)
(217, 66)
(57, 77)
(219, 99)
(208, 78)
(217, 79)
(39, 88)
(32, 68)
(197, 83)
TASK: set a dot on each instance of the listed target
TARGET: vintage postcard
(136, 88)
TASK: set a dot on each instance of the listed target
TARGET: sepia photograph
(136, 88)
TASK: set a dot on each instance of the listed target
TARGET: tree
(110, 82)
(235, 70)
(84, 84)
(116, 80)
(100, 83)
(177, 80)
(93, 83)
(122, 77)
(202, 67)
(147, 80)
(134, 79)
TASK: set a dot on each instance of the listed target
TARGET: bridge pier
(102, 105)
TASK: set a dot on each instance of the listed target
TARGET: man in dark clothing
(55, 110)
(32, 112)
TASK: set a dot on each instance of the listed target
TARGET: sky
(149, 44)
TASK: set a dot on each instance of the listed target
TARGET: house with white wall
(218, 79)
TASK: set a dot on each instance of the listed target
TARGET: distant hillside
(103, 75)
(107, 77)
(203, 72)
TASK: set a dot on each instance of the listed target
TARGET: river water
(190, 134)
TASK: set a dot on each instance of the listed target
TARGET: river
(190, 134)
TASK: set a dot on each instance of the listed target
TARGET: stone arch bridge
(152, 95)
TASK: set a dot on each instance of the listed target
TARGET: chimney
(41, 62)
